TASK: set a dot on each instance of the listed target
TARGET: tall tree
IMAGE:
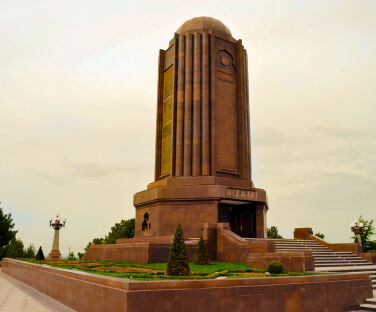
(7, 231)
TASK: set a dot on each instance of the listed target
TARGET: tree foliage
(123, 229)
(40, 255)
(201, 255)
(272, 232)
(177, 260)
(7, 231)
(71, 256)
(15, 249)
(30, 251)
(80, 255)
(368, 230)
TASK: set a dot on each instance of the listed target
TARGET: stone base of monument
(54, 254)
(222, 244)
(90, 292)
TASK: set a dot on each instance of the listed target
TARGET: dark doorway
(242, 218)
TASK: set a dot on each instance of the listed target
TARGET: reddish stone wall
(89, 292)
(143, 252)
(232, 248)
(71, 289)
(292, 261)
(371, 257)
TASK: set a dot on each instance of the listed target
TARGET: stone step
(343, 264)
(334, 259)
(332, 253)
(357, 269)
(295, 241)
(298, 244)
(303, 249)
(337, 258)
(372, 300)
(318, 248)
(368, 307)
(341, 261)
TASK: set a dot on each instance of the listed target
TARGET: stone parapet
(94, 293)
(307, 233)
(370, 257)
(233, 248)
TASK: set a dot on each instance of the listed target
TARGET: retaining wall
(90, 292)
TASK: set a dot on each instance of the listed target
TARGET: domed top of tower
(203, 23)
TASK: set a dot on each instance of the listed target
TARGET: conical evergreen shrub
(178, 261)
(201, 255)
(40, 255)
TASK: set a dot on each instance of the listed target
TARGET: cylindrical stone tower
(203, 153)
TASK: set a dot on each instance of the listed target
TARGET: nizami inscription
(241, 193)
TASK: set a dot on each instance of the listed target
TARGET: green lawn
(157, 271)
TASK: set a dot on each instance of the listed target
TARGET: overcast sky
(78, 103)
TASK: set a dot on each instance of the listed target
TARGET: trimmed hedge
(275, 267)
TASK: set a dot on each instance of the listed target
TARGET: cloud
(72, 170)
(266, 136)
(343, 132)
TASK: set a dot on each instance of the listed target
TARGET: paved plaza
(16, 296)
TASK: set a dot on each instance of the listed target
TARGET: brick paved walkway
(16, 296)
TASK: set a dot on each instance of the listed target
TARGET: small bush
(321, 235)
(275, 267)
(201, 255)
(71, 256)
(40, 255)
(177, 260)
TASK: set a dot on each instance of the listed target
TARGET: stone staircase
(327, 260)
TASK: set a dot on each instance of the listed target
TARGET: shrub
(71, 256)
(80, 255)
(177, 260)
(321, 235)
(272, 232)
(201, 255)
(40, 255)
(275, 267)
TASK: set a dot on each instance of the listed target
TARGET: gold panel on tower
(167, 121)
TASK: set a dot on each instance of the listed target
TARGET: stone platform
(89, 292)
(222, 244)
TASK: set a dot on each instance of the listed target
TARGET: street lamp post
(357, 228)
(56, 225)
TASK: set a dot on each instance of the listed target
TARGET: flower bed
(157, 271)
